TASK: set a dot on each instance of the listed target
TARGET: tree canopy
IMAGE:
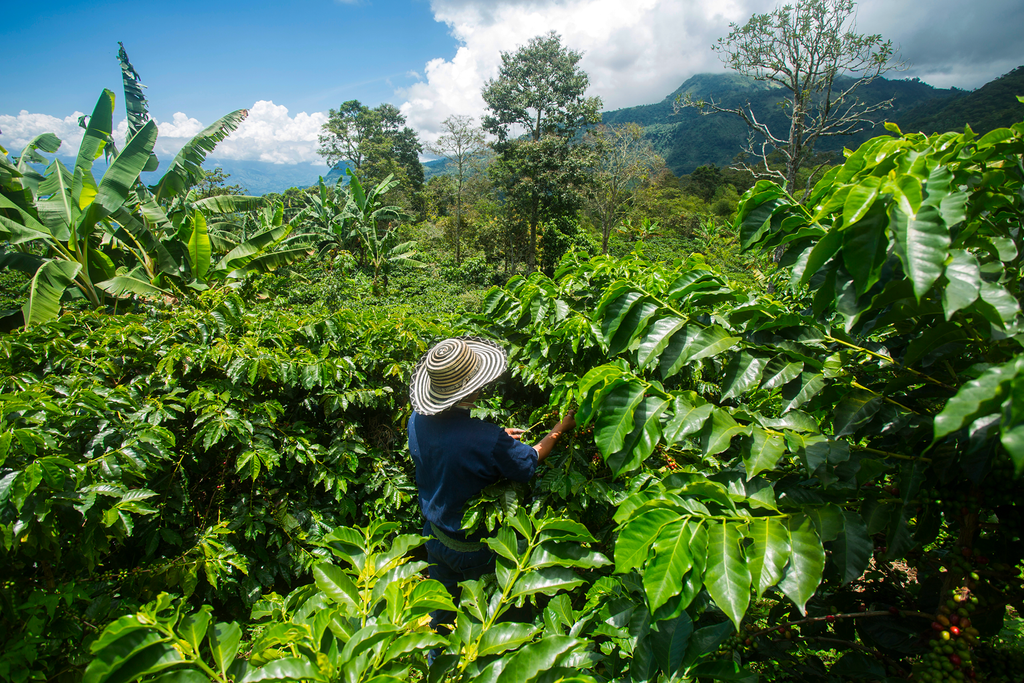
(541, 89)
(375, 142)
(535, 107)
(803, 48)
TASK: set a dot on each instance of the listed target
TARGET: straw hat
(453, 370)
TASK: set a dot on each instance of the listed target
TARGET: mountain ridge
(688, 139)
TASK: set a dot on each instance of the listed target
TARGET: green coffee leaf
(806, 562)
(741, 374)
(762, 451)
(637, 537)
(852, 549)
(769, 552)
(922, 243)
(615, 416)
(507, 636)
(664, 572)
(224, 640)
(533, 660)
(719, 431)
(669, 640)
(728, 578)
(963, 275)
(546, 581)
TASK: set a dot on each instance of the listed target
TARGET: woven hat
(453, 370)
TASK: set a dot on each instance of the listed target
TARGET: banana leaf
(116, 184)
(30, 178)
(97, 133)
(134, 101)
(46, 289)
(230, 203)
(124, 285)
(133, 231)
(59, 211)
(186, 169)
(271, 261)
(250, 249)
(199, 251)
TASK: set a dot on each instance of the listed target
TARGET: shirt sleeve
(515, 460)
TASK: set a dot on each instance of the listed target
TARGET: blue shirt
(457, 456)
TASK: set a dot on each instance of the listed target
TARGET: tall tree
(626, 160)
(805, 48)
(536, 106)
(460, 144)
(375, 142)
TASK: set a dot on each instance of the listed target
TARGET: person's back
(456, 457)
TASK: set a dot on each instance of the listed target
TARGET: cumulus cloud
(18, 131)
(268, 134)
(635, 53)
(640, 51)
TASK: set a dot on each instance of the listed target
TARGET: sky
(289, 63)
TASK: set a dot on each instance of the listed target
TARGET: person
(456, 455)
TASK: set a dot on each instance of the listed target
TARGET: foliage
(215, 182)
(461, 144)
(540, 90)
(375, 142)
(68, 212)
(761, 477)
(803, 48)
(625, 162)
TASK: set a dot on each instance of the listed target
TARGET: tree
(215, 183)
(460, 145)
(375, 142)
(804, 48)
(626, 160)
(540, 91)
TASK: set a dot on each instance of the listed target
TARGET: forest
(797, 382)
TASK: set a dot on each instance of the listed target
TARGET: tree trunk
(531, 256)
(458, 226)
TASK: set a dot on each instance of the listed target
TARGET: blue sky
(289, 63)
(208, 58)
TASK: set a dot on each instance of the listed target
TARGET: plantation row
(796, 484)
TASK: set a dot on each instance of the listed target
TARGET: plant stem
(889, 360)
(890, 454)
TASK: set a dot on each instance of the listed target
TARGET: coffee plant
(814, 482)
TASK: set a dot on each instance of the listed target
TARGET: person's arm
(546, 444)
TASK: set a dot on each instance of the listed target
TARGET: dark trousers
(450, 567)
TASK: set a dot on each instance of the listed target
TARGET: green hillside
(994, 105)
(688, 140)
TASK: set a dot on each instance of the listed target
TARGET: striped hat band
(452, 370)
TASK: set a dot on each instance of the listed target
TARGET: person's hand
(569, 421)
(514, 432)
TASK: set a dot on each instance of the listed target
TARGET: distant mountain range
(687, 139)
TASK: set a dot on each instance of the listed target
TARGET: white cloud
(271, 134)
(17, 131)
(635, 53)
(638, 52)
(268, 134)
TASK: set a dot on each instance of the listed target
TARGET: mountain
(257, 177)
(993, 105)
(688, 139)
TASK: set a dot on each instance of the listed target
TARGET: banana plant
(378, 250)
(68, 212)
(186, 260)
